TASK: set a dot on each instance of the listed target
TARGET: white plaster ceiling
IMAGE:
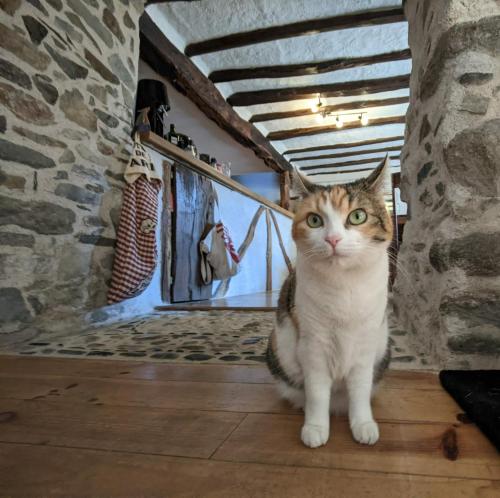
(187, 22)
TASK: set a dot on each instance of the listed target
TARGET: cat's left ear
(379, 177)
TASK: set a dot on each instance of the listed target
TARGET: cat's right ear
(301, 186)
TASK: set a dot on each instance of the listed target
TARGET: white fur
(340, 303)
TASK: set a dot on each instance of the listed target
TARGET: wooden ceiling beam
(342, 89)
(340, 172)
(347, 145)
(169, 62)
(349, 154)
(301, 28)
(345, 107)
(305, 69)
(151, 2)
(316, 130)
(346, 163)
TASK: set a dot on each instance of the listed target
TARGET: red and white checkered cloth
(222, 230)
(135, 252)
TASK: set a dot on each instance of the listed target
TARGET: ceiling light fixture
(339, 118)
(316, 106)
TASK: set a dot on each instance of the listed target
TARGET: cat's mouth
(335, 253)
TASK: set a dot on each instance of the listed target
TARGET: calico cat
(330, 344)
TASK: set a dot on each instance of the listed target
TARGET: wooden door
(193, 209)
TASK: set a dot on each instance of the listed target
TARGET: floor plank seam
(219, 410)
(166, 381)
(228, 436)
(353, 469)
(102, 450)
(128, 379)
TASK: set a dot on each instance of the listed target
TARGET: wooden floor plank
(234, 397)
(403, 379)
(424, 449)
(132, 429)
(389, 404)
(34, 471)
(30, 366)
(122, 369)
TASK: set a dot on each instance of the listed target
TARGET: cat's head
(346, 223)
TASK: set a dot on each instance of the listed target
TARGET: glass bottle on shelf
(172, 135)
(192, 147)
(213, 162)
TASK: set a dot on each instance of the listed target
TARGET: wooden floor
(71, 427)
(260, 301)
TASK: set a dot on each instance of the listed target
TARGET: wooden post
(166, 234)
(269, 254)
(285, 190)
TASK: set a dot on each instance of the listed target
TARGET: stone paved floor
(238, 337)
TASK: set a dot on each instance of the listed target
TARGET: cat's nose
(333, 240)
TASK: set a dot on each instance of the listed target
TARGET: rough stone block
(49, 92)
(42, 217)
(475, 79)
(16, 239)
(92, 21)
(475, 104)
(472, 158)
(25, 106)
(36, 29)
(12, 41)
(12, 181)
(24, 155)
(76, 194)
(12, 306)
(478, 254)
(73, 70)
(38, 138)
(13, 73)
(74, 108)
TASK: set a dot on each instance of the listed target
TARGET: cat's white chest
(342, 318)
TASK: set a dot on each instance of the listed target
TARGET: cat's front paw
(365, 432)
(314, 435)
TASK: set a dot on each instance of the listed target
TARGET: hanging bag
(219, 258)
(135, 252)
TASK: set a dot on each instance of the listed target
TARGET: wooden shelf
(171, 151)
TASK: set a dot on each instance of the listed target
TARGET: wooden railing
(171, 151)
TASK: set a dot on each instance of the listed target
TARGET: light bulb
(339, 122)
(316, 105)
(364, 119)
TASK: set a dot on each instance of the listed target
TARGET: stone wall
(448, 292)
(68, 71)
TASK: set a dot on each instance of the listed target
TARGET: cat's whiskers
(393, 258)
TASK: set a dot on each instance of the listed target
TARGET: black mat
(478, 393)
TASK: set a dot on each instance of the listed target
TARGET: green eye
(314, 220)
(357, 217)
